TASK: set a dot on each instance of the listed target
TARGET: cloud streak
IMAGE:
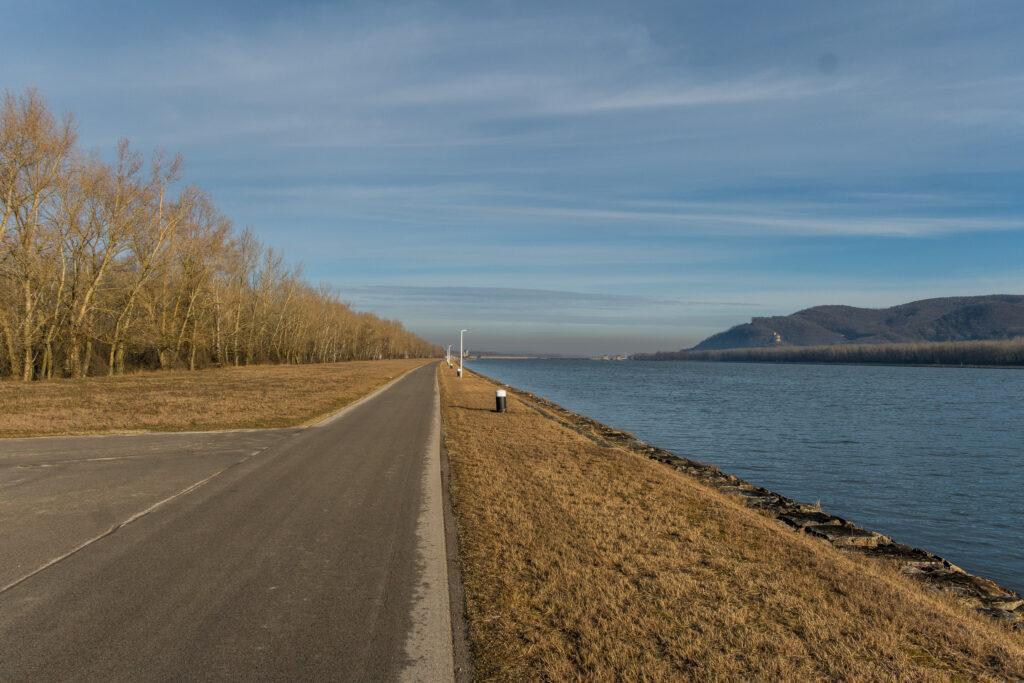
(662, 151)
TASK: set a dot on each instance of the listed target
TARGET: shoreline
(1002, 604)
(584, 560)
(761, 361)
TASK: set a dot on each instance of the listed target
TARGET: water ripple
(929, 456)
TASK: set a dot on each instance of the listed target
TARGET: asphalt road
(296, 554)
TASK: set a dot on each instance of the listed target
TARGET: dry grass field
(224, 398)
(583, 562)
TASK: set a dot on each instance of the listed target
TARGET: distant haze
(574, 177)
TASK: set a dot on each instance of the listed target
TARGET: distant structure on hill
(965, 318)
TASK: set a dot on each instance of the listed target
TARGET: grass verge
(223, 398)
(587, 562)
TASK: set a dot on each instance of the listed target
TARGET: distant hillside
(967, 318)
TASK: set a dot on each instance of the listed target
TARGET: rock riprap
(937, 573)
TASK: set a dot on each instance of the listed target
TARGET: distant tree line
(107, 267)
(981, 353)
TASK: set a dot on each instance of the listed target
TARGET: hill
(949, 319)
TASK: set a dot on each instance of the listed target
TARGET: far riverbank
(1007, 353)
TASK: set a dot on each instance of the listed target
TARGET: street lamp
(461, 353)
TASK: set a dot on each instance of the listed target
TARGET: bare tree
(146, 242)
(103, 260)
(35, 149)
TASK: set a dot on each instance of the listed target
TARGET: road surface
(291, 554)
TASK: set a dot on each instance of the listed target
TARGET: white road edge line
(196, 485)
(122, 435)
(125, 523)
(428, 646)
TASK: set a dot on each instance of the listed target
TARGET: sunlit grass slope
(225, 398)
(587, 562)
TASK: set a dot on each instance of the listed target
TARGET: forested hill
(968, 318)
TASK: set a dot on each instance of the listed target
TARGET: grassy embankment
(587, 562)
(994, 353)
(223, 398)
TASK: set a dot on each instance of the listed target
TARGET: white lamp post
(461, 354)
(449, 356)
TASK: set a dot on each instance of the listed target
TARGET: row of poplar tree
(109, 267)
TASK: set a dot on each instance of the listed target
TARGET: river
(932, 457)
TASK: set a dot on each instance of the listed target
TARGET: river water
(932, 457)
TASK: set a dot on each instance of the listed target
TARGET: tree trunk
(47, 369)
(217, 351)
(117, 346)
(28, 367)
(192, 351)
(14, 362)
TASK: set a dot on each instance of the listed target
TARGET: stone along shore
(937, 573)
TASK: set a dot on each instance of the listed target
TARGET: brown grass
(587, 562)
(225, 398)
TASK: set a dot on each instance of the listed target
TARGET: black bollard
(499, 400)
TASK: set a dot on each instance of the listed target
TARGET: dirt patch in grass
(223, 398)
(587, 562)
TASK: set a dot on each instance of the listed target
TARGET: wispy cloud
(863, 214)
(775, 155)
(731, 222)
(508, 318)
(748, 90)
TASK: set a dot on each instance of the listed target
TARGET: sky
(573, 177)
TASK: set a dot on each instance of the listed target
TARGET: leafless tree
(104, 267)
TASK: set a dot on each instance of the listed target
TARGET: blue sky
(592, 177)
